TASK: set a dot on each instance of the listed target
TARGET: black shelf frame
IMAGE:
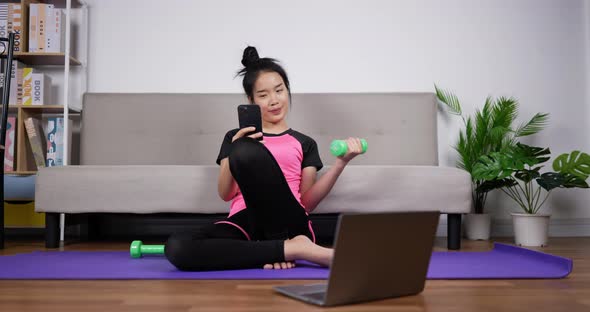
(7, 54)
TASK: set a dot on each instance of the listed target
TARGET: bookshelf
(66, 99)
(39, 59)
(24, 163)
(24, 160)
(50, 109)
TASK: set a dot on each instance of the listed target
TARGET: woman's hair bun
(250, 57)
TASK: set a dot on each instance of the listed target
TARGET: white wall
(535, 50)
(587, 3)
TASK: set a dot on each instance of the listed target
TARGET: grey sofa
(155, 153)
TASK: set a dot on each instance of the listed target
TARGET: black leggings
(254, 236)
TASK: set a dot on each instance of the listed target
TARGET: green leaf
(483, 139)
(497, 137)
(550, 180)
(571, 181)
(491, 185)
(491, 167)
(576, 164)
(465, 147)
(530, 155)
(449, 99)
(504, 112)
(536, 124)
(511, 161)
(460, 148)
(527, 175)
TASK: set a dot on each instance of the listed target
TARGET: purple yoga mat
(503, 262)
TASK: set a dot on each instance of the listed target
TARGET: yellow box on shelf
(23, 215)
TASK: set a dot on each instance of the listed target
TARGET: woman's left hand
(354, 148)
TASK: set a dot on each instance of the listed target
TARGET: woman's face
(271, 94)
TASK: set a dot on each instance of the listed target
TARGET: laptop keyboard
(319, 296)
(310, 289)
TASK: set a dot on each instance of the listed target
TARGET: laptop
(376, 256)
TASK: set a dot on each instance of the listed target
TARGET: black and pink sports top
(292, 150)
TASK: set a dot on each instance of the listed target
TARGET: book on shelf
(36, 141)
(27, 86)
(19, 85)
(41, 88)
(4, 20)
(9, 144)
(2, 75)
(16, 83)
(52, 142)
(56, 31)
(15, 25)
(55, 141)
(36, 27)
(46, 28)
(3, 45)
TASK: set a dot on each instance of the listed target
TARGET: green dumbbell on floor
(339, 147)
(138, 249)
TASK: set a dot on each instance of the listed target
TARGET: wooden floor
(569, 294)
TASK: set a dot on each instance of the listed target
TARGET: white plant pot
(477, 226)
(530, 229)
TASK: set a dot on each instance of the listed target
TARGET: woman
(271, 183)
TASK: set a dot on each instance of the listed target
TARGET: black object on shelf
(6, 54)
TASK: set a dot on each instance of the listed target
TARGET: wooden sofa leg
(51, 230)
(454, 231)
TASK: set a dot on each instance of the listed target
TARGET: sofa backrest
(187, 129)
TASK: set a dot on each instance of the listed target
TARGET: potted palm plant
(489, 130)
(517, 172)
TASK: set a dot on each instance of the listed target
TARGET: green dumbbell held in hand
(138, 249)
(339, 147)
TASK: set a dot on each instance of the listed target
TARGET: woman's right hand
(242, 132)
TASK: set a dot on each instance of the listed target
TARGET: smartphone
(249, 116)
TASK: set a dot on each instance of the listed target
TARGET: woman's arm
(226, 185)
(313, 192)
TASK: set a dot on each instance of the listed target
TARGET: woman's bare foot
(302, 248)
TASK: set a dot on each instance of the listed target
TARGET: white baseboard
(557, 228)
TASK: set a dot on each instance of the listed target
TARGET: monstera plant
(517, 172)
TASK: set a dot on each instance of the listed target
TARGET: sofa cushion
(19, 188)
(399, 188)
(193, 189)
(187, 129)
